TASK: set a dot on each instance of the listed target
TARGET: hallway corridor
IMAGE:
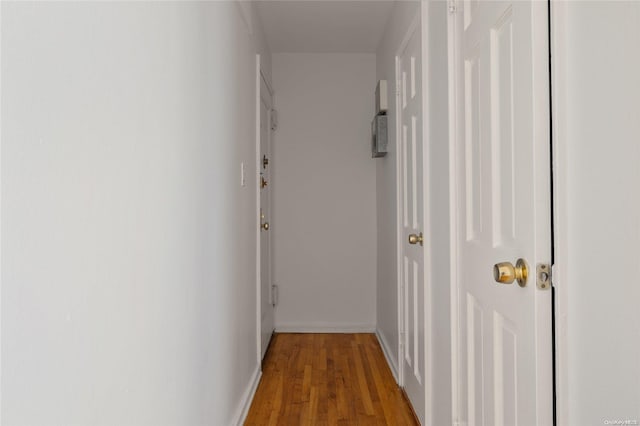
(333, 379)
(319, 212)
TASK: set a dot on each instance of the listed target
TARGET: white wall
(438, 242)
(128, 246)
(597, 151)
(438, 123)
(324, 215)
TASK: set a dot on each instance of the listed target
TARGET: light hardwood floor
(327, 379)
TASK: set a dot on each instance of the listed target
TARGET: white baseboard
(247, 399)
(322, 327)
(387, 354)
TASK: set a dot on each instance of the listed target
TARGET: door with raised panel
(266, 289)
(410, 141)
(502, 169)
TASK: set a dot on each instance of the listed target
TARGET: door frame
(453, 205)
(260, 78)
(558, 17)
(417, 24)
(541, 38)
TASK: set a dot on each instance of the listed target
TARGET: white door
(412, 277)
(264, 184)
(503, 203)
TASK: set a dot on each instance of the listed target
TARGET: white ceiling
(325, 26)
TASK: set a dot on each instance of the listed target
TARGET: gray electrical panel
(379, 136)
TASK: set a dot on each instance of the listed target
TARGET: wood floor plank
(362, 380)
(381, 389)
(332, 397)
(327, 379)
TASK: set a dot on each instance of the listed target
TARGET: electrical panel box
(379, 136)
(382, 103)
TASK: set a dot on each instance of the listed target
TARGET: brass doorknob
(263, 182)
(416, 238)
(506, 273)
(265, 226)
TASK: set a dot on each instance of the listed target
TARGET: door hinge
(452, 6)
(274, 295)
(543, 276)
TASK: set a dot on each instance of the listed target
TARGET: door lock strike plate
(543, 276)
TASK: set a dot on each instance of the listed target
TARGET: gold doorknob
(506, 273)
(416, 238)
(265, 226)
(263, 182)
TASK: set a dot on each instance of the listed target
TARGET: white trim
(453, 227)
(399, 227)
(257, 218)
(426, 218)
(542, 187)
(325, 327)
(386, 350)
(247, 398)
(0, 217)
(560, 200)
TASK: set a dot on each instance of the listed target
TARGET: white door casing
(410, 146)
(266, 308)
(502, 333)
